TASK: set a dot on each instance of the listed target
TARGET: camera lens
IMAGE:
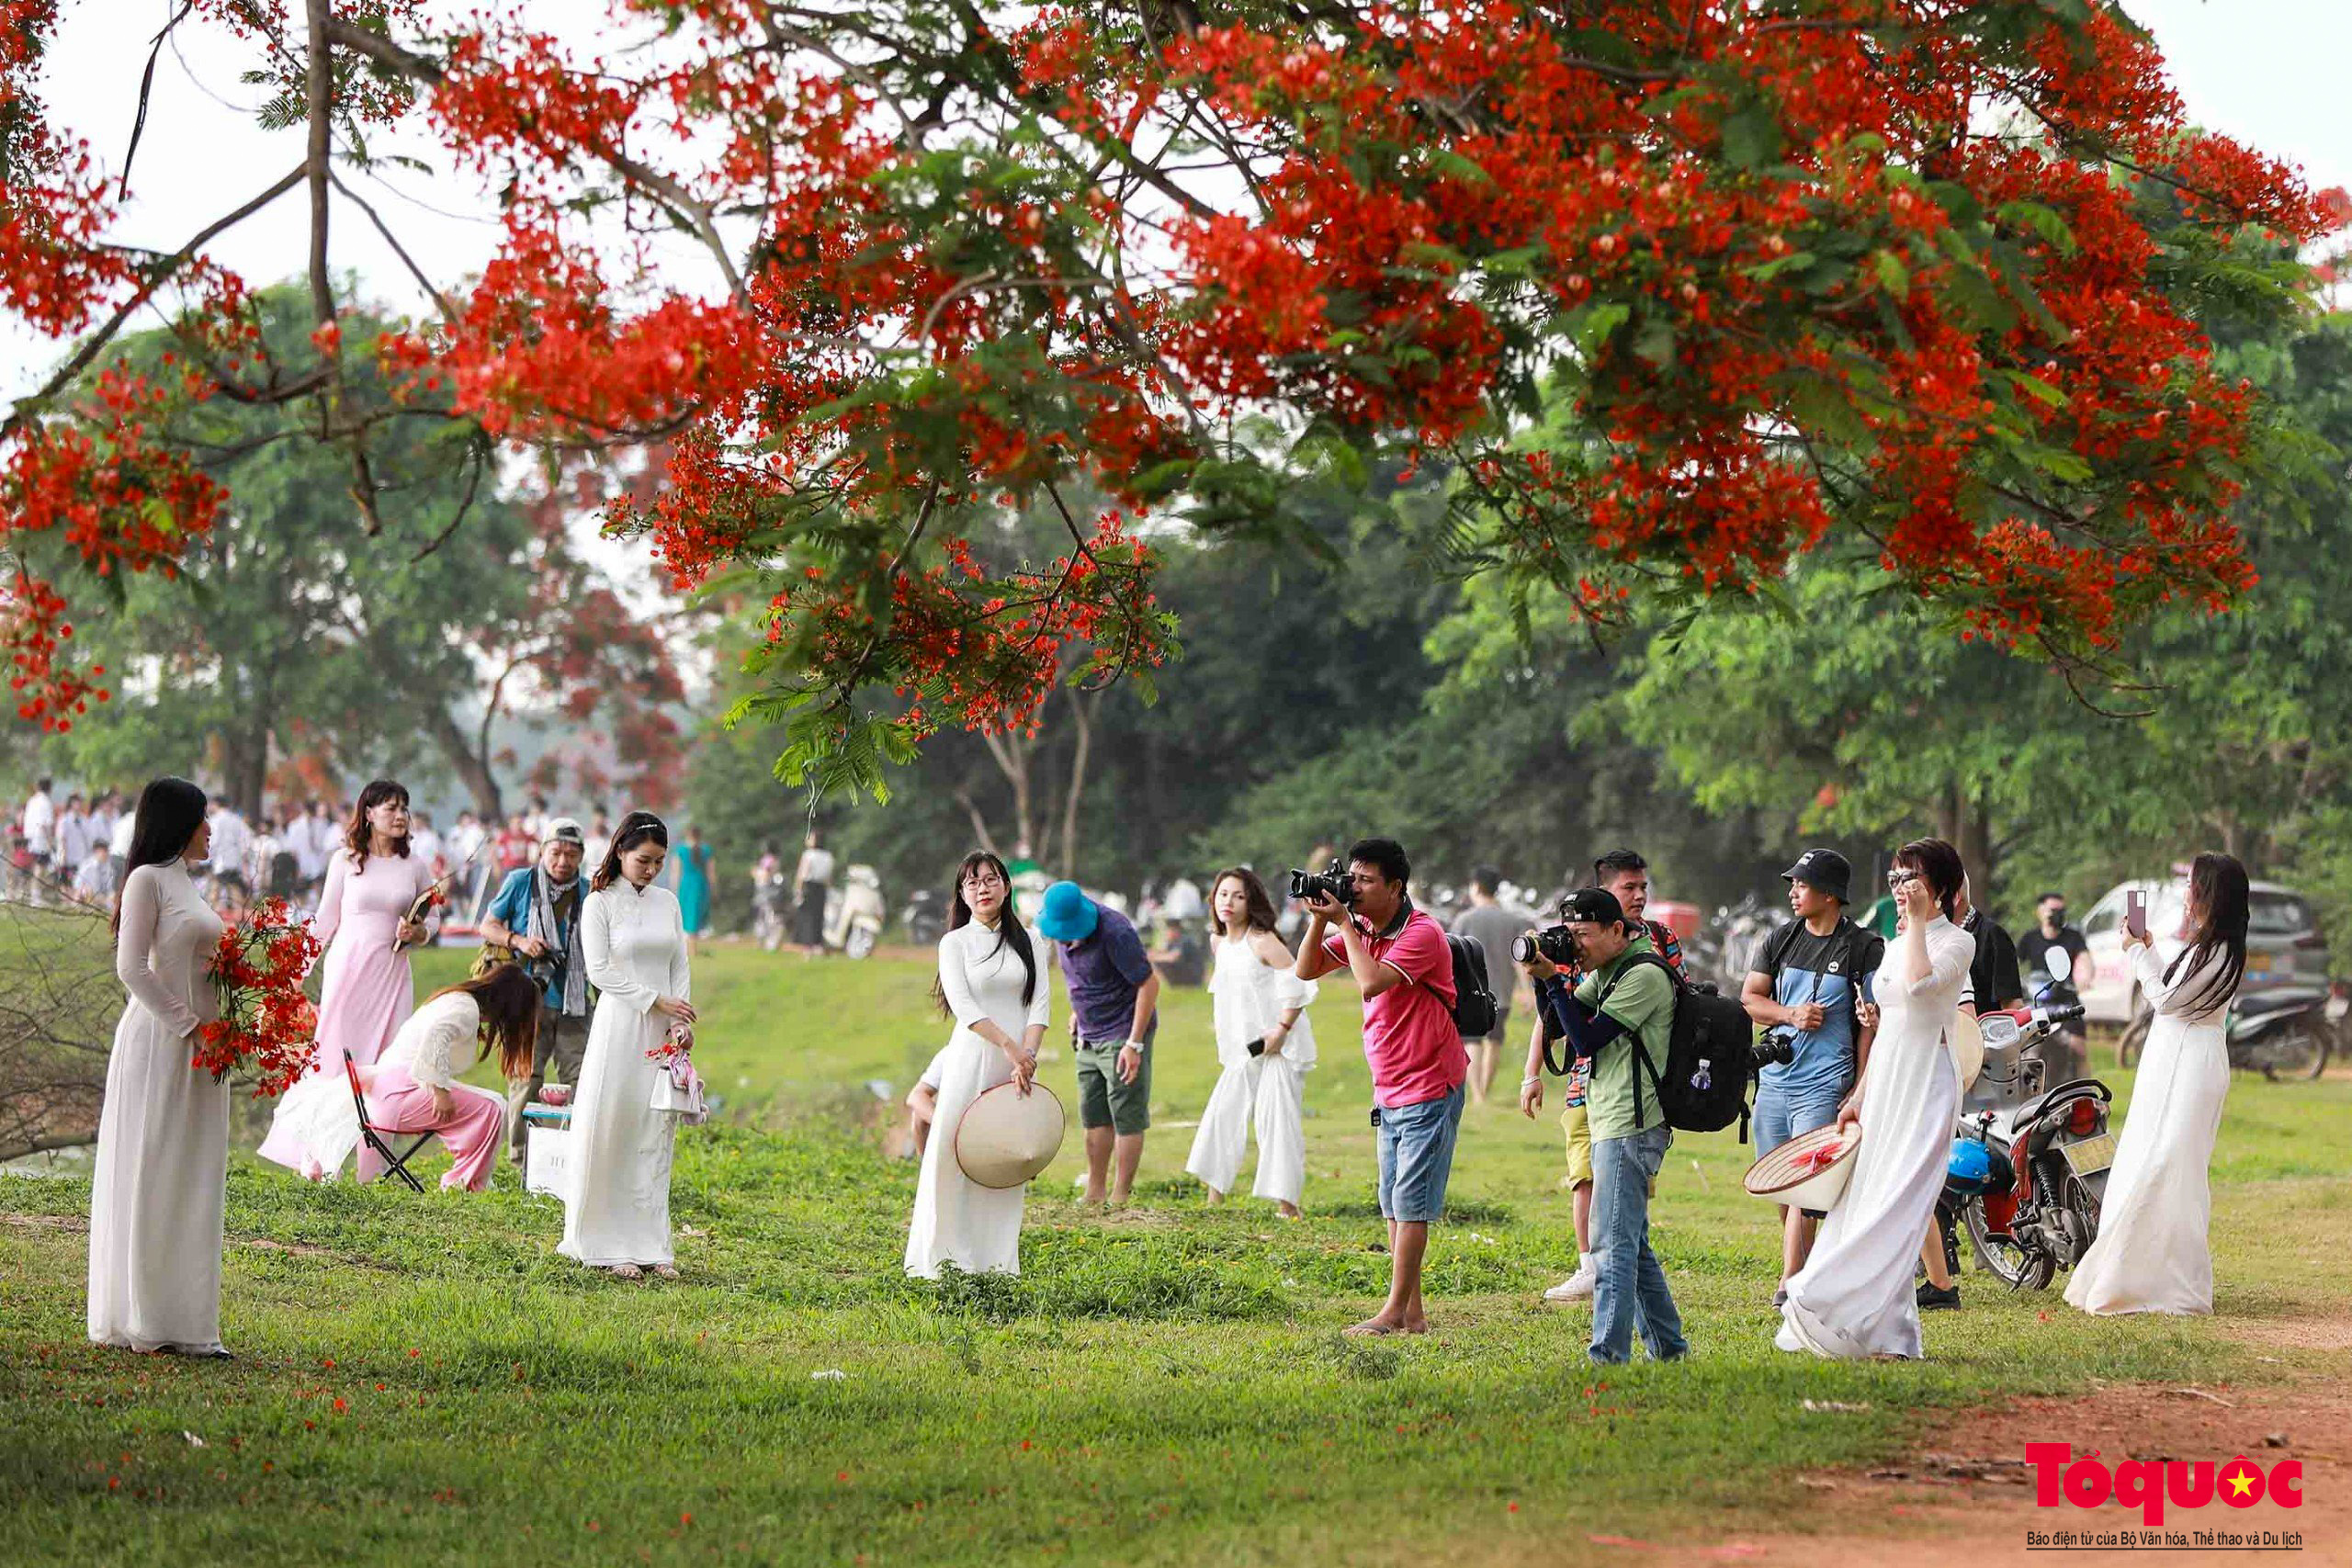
(1524, 948)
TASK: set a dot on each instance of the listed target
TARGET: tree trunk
(1081, 714)
(1013, 754)
(979, 822)
(1976, 846)
(471, 766)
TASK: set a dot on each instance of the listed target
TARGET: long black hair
(2217, 887)
(170, 811)
(356, 836)
(1010, 931)
(635, 829)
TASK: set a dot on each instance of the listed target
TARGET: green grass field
(424, 1379)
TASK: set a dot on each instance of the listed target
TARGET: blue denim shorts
(1416, 1156)
(1782, 1116)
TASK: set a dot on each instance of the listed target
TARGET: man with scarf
(536, 913)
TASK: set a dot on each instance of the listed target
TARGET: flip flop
(1369, 1329)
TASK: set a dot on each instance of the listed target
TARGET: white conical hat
(1795, 1174)
(1006, 1137)
(1966, 1037)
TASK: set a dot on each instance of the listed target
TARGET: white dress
(163, 1165)
(2152, 1253)
(1853, 1298)
(957, 1221)
(619, 1208)
(1249, 997)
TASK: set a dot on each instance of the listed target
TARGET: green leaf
(1765, 271)
(1654, 341)
(1892, 275)
(2043, 220)
(1752, 137)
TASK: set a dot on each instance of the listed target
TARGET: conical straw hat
(1007, 1137)
(1809, 1171)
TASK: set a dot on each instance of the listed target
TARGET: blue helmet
(1971, 1165)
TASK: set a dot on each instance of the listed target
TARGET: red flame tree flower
(266, 1029)
(1669, 292)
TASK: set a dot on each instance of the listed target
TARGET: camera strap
(1560, 1068)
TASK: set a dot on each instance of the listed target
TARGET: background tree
(294, 634)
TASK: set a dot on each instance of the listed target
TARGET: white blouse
(1250, 997)
(428, 1040)
(164, 946)
(982, 977)
(2190, 995)
(633, 942)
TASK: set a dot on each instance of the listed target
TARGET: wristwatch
(1135, 1045)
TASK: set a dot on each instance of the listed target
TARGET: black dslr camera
(1557, 943)
(1334, 883)
(1778, 1046)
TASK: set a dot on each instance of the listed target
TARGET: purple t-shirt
(1104, 972)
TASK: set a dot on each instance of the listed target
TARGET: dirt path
(1966, 1499)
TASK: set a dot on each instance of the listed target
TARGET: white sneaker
(1576, 1287)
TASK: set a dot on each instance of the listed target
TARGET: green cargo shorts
(1102, 1099)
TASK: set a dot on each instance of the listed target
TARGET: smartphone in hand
(2135, 912)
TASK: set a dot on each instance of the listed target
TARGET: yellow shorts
(1580, 1136)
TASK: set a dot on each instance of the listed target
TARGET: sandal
(665, 1271)
(626, 1271)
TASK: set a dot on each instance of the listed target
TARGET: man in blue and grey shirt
(535, 914)
(1811, 987)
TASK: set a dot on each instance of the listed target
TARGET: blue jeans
(1416, 1156)
(1631, 1286)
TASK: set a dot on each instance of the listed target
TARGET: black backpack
(1474, 1013)
(1710, 1057)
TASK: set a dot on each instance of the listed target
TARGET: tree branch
(95, 343)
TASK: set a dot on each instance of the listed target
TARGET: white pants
(1279, 1091)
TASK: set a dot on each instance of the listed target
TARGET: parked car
(2283, 944)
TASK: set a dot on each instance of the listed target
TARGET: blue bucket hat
(1067, 914)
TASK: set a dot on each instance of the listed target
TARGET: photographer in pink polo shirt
(1400, 962)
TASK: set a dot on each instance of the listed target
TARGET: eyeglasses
(982, 879)
(1899, 880)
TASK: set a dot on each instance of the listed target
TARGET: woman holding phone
(2151, 1253)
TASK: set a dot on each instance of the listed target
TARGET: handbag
(677, 1089)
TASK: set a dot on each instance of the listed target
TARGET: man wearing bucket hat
(1810, 990)
(535, 914)
(1113, 1007)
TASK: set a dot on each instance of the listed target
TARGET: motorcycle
(2287, 1032)
(923, 924)
(853, 912)
(2026, 1178)
(769, 915)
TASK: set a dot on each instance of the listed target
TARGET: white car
(2283, 944)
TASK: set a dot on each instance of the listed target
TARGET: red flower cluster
(1676, 294)
(268, 1029)
(676, 1041)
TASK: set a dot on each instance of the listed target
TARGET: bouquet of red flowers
(266, 1027)
(676, 1041)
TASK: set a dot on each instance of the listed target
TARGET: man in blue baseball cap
(1114, 1011)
